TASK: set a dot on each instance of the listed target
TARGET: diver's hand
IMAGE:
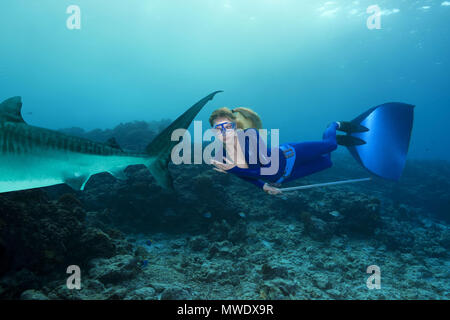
(220, 170)
(222, 166)
(271, 190)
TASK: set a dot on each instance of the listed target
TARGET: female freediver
(378, 139)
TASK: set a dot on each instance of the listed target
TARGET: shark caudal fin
(161, 146)
(386, 133)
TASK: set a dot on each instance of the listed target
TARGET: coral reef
(219, 238)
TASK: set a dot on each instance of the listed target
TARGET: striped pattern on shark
(33, 157)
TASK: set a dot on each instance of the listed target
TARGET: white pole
(324, 184)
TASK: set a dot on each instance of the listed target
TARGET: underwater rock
(145, 293)
(395, 236)
(13, 284)
(175, 293)
(116, 293)
(42, 234)
(316, 228)
(278, 290)
(238, 233)
(321, 281)
(403, 212)
(269, 271)
(435, 251)
(361, 215)
(349, 213)
(220, 249)
(33, 295)
(91, 289)
(203, 184)
(208, 272)
(445, 239)
(219, 231)
(291, 205)
(133, 136)
(93, 285)
(225, 256)
(140, 252)
(198, 243)
(114, 270)
(45, 236)
(335, 294)
(96, 243)
(70, 202)
(148, 206)
(205, 191)
(178, 243)
(424, 185)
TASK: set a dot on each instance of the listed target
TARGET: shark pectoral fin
(160, 171)
(77, 183)
(118, 173)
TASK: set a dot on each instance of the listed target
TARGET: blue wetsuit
(310, 157)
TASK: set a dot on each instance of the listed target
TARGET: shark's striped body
(33, 157)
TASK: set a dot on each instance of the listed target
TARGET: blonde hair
(244, 117)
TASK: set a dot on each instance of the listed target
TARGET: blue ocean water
(299, 64)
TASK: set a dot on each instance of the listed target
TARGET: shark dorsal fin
(10, 110)
(112, 142)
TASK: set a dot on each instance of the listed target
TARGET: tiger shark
(34, 157)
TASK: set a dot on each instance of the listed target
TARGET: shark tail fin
(161, 146)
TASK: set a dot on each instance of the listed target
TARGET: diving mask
(225, 126)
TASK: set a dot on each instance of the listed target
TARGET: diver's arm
(250, 172)
(257, 182)
(262, 185)
(251, 176)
